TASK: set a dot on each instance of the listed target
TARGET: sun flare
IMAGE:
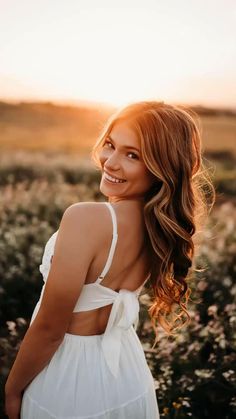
(116, 54)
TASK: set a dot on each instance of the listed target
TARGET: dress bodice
(125, 304)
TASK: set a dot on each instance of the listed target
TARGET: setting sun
(117, 52)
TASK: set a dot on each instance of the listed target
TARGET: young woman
(81, 356)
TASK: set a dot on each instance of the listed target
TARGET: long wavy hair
(177, 205)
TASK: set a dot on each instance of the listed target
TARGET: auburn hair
(176, 206)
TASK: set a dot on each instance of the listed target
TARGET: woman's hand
(13, 405)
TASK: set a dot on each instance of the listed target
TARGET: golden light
(84, 51)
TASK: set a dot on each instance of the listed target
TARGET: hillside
(47, 126)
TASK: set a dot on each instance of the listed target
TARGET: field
(45, 167)
(47, 127)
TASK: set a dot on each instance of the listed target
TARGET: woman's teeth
(112, 179)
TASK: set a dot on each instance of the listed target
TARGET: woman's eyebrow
(124, 146)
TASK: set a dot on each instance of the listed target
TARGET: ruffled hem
(137, 408)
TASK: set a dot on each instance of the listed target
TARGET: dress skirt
(77, 383)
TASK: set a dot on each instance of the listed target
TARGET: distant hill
(64, 128)
(38, 126)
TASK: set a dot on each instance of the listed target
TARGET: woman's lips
(113, 183)
(112, 179)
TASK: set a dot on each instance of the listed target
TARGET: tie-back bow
(123, 315)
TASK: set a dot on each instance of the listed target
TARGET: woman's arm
(36, 350)
(72, 257)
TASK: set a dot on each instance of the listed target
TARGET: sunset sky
(119, 51)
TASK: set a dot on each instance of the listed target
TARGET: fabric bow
(124, 313)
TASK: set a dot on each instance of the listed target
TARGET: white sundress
(99, 376)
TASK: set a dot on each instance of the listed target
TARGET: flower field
(195, 370)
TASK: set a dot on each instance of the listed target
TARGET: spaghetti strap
(113, 244)
(107, 361)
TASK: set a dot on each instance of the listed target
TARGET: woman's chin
(110, 190)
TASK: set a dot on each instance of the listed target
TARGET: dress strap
(113, 244)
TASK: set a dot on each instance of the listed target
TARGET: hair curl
(176, 206)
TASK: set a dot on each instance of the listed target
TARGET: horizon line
(92, 103)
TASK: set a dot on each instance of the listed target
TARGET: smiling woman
(124, 173)
(82, 334)
(166, 174)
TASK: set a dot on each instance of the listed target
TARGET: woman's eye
(133, 155)
(107, 144)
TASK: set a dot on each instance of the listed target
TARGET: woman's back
(100, 348)
(129, 266)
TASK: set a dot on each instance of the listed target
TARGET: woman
(81, 356)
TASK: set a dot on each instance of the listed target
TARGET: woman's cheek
(103, 155)
(100, 158)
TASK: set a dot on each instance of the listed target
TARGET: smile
(113, 179)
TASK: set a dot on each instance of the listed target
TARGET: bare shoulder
(88, 216)
(81, 231)
(75, 248)
(86, 210)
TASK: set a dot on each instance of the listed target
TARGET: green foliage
(195, 370)
(30, 212)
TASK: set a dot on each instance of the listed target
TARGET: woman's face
(124, 174)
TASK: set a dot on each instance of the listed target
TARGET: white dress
(100, 376)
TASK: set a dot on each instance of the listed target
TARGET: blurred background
(65, 67)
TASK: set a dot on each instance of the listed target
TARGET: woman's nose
(112, 162)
